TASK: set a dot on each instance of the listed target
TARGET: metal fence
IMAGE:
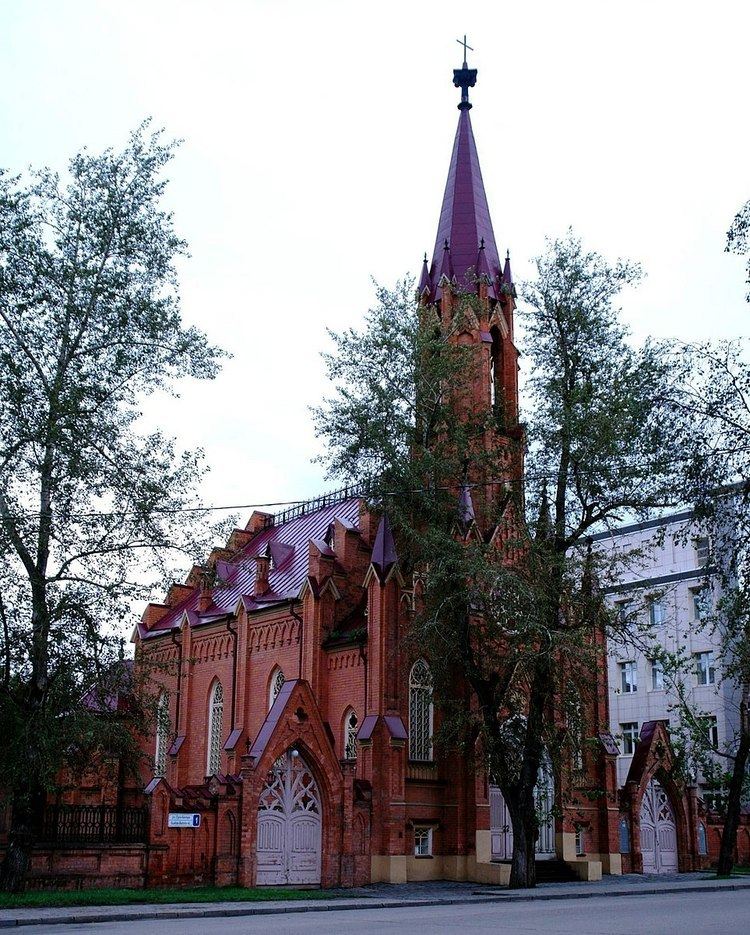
(93, 824)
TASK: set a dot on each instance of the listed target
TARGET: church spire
(465, 216)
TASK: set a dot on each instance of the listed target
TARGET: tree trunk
(523, 863)
(17, 860)
(734, 800)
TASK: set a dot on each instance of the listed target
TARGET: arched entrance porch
(658, 830)
(289, 824)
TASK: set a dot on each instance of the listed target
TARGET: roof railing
(316, 503)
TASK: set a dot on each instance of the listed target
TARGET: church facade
(294, 744)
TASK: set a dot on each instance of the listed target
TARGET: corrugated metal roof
(289, 550)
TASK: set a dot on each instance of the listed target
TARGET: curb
(334, 905)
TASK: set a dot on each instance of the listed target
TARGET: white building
(666, 588)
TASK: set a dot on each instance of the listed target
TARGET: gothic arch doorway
(501, 829)
(658, 831)
(289, 824)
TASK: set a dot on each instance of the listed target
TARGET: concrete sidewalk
(381, 896)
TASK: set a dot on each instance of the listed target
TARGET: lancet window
(420, 712)
(350, 736)
(215, 717)
(275, 686)
(162, 735)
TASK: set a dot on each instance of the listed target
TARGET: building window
(275, 686)
(628, 677)
(702, 840)
(423, 842)
(215, 717)
(350, 736)
(420, 712)
(624, 829)
(701, 598)
(629, 731)
(656, 612)
(622, 609)
(704, 668)
(710, 727)
(580, 842)
(657, 675)
(702, 547)
(162, 735)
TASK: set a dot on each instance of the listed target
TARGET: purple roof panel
(272, 719)
(288, 546)
(368, 727)
(395, 727)
(465, 215)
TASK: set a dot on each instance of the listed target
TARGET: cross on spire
(466, 46)
(464, 77)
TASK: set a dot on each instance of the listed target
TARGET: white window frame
(702, 546)
(580, 842)
(420, 690)
(711, 722)
(629, 736)
(629, 677)
(657, 676)
(422, 841)
(657, 612)
(214, 732)
(701, 601)
(705, 668)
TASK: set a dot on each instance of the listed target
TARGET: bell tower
(473, 296)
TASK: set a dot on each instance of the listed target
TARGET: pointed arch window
(420, 712)
(351, 725)
(215, 718)
(496, 370)
(162, 735)
(275, 686)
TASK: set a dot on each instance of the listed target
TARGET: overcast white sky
(317, 141)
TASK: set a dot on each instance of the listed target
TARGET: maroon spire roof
(465, 216)
(384, 555)
(424, 279)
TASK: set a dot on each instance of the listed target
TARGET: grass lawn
(122, 897)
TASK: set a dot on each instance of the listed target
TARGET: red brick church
(295, 736)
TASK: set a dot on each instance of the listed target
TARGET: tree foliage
(90, 326)
(508, 620)
(714, 401)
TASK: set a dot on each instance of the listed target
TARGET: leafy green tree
(738, 237)
(89, 506)
(714, 400)
(513, 619)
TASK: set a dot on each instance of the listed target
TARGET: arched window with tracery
(350, 735)
(420, 712)
(275, 685)
(215, 718)
(162, 735)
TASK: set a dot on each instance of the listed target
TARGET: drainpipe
(363, 657)
(179, 681)
(234, 668)
(299, 620)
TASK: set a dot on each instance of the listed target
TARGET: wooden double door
(289, 825)
(658, 831)
(501, 830)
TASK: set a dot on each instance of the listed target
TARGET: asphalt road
(726, 913)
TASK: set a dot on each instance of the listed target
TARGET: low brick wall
(79, 866)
